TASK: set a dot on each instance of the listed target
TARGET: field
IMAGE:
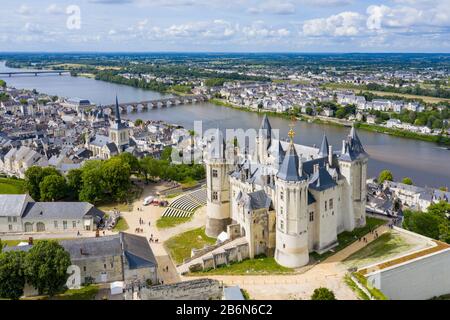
(180, 246)
(257, 266)
(347, 238)
(385, 247)
(121, 225)
(170, 222)
(11, 186)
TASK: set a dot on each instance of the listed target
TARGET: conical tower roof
(289, 170)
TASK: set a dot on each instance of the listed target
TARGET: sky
(225, 25)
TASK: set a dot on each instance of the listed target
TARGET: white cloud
(24, 10)
(55, 9)
(344, 24)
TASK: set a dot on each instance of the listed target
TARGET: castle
(287, 200)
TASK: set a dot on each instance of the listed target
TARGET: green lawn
(170, 222)
(12, 186)
(346, 238)
(174, 195)
(13, 243)
(385, 247)
(258, 266)
(121, 225)
(180, 246)
(122, 207)
(352, 285)
(85, 293)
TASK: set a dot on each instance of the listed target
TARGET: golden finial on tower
(291, 132)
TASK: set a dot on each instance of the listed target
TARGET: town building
(20, 213)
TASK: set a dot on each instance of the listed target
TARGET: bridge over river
(34, 73)
(153, 104)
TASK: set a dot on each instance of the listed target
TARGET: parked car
(148, 200)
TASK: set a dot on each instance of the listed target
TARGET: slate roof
(323, 151)
(137, 251)
(13, 205)
(290, 166)
(352, 148)
(321, 180)
(91, 248)
(61, 210)
(255, 200)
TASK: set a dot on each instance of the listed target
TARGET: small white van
(148, 200)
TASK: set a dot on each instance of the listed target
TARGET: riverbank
(441, 140)
(286, 116)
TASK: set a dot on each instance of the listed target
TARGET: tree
(2, 83)
(385, 175)
(46, 267)
(92, 190)
(75, 182)
(116, 178)
(138, 122)
(33, 178)
(167, 154)
(12, 274)
(53, 188)
(309, 111)
(408, 181)
(131, 160)
(323, 294)
(150, 168)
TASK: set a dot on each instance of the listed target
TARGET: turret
(218, 188)
(353, 166)
(291, 209)
(264, 140)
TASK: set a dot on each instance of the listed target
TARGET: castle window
(104, 266)
(284, 246)
(281, 224)
(326, 205)
(311, 216)
(331, 204)
(14, 219)
(10, 227)
(281, 195)
(74, 224)
(215, 174)
(56, 224)
(215, 196)
(281, 211)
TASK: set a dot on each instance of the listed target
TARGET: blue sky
(226, 25)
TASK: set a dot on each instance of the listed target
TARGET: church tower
(218, 188)
(353, 166)
(291, 210)
(118, 131)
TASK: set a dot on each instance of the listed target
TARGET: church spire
(118, 119)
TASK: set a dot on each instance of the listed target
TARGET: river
(424, 162)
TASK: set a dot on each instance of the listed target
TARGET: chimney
(316, 168)
(30, 241)
(330, 155)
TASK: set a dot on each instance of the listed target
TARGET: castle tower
(118, 132)
(218, 190)
(353, 166)
(264, 140)
(291, 209)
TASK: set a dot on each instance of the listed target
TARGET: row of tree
(44, 267)
(101, 180)
(433, 223)
(96, 181)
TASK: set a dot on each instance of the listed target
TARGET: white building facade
(287, 200)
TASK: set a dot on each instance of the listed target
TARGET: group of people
(153, 240)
